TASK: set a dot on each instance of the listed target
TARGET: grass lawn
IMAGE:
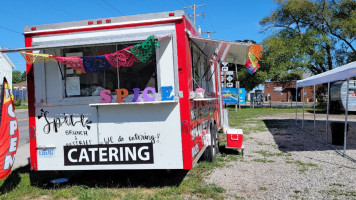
(247, 118)
(21, 107)
(151, 184)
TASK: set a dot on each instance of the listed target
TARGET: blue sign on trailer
(230, 95)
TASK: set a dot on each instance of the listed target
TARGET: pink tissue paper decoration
(73, 62)
(122, 58)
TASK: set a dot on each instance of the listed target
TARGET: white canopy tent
(341, 73)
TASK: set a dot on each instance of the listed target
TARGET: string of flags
(254, 55)
(123, 58)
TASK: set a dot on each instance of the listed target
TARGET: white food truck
(163, 113)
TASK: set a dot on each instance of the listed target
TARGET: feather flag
(254, 55)
(9, 133)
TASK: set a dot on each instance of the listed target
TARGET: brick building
(285, 92)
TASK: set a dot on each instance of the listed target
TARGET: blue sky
(231, 19)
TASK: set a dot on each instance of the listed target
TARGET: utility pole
(194, 13)
(208, 32)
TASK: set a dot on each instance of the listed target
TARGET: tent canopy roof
(340, 73)
(232, 52)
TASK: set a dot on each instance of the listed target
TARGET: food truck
(129, 92)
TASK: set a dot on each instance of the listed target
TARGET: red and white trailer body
(71, 130)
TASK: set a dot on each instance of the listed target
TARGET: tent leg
(303, 108)
(327, 113)
(314, 107)
(346, 112)
(296, 103)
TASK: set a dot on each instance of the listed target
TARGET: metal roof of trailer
(122, 20)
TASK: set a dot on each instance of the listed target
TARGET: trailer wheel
(217, 139)
(212, 150)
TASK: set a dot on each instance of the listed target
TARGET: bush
(18, 102)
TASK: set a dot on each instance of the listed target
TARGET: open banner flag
(254, 55)
(9, 132)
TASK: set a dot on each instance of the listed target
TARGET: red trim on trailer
(221, 51)
(31, 109)
(54, 32)
(216, 116)
(184, 71)
(227, 52)
(188, 26)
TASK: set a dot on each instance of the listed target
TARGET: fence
(20, 94)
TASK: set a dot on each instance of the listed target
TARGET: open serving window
(101, 75)
(117, 69)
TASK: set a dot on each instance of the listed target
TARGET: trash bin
(337, 132)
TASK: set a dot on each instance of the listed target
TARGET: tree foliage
(18, 76)
(307, 36)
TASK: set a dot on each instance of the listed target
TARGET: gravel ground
(287, 163)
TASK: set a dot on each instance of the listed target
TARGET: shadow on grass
(111, 178)
(13, 180)
(225, 151)
(96, 178)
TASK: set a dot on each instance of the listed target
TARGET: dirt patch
(287, 163)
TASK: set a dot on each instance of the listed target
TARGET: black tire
(211, 151)
(217, 139)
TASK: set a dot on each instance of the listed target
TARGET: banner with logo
(230, 95)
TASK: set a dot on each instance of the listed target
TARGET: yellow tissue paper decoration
(37, 57)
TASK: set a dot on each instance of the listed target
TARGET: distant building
(6, 67)
(20, 86)
(286, 92)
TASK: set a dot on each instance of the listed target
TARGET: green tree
(17, 76)
(24, 76)
(308, 35)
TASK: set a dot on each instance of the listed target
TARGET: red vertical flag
(9, 132)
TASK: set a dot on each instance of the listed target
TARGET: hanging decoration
(73, 62)
(36, 57)
(146, 49)
(123, 58)
(9, 132)
(254, 55)
(95, 63)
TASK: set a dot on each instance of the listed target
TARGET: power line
(194, 6)
(113, 7)
(149, 7)
(58, 9)
(8, 29)
(209, 32)
(180, 2)
(208, 16)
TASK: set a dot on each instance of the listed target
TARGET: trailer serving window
(139, 75)
(202, 71)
